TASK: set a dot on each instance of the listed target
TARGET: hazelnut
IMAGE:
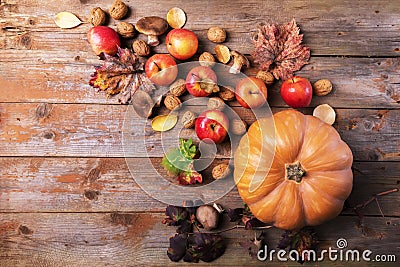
(322, 87)
(141, 48)
(207, 59)
(223, 53)
(188, 119)
(227, 93)
(118, 10)
(220, 171)
(126, 29)
(238, 126)
(97, 16)
(266, 76)
(215, 103)
(172, 102)
(178, 87)
(216, 34)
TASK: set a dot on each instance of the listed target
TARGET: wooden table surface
(67, 197)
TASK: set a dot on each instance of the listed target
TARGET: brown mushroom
(239, 61)
(152, 26)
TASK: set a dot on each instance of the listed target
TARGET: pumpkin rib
(314, 216)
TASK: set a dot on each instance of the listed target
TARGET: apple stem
(195, 75)
(157, 65)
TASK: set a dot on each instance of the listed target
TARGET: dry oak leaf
(123, 75)
(279, 49)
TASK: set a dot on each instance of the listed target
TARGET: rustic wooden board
(95, 130)
(132, 239)
(104, 185)
(328, 30)
(63, 78)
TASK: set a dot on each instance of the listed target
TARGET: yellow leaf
(164, 123)
(67, 20)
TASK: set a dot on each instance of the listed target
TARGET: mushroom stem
(152, 40)
(239, 61)
(235, 68)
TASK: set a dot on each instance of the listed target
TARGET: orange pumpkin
(295, 174)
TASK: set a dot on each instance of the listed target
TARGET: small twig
(239, 227)
(375, 198)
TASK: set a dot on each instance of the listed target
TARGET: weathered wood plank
(106, 184)
(330, 28)
(63, 78)
(96, 131)
(131, 239)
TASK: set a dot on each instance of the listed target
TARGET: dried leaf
(123, 75)
(164, 123)
(177, 247)
(67, 20)
(279, 49)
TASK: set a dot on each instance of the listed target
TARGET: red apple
(212, 126)
(181, 43)
(103, 39)
(161, 69)
(200, 81)
(297, 92)
(251, 92)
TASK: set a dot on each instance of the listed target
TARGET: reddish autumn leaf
(279, 49)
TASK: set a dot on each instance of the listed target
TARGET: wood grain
(107, 184)
(63, 78)
(96, 130)
(67, 196)
(131, 239)
(327, 29)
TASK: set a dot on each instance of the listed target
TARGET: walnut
(188, 119)
(141, 48)
(216, 34)
(126, 29)
(226, 93)
(238, 126)
(97, 16)
(215, 103)
(322, 87)
(267, 77)
(172, 102)
(178, 87)
(221, 171)
(223, 53)
(118, 10)
(207, 59)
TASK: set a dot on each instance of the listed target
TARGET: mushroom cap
(238, 56)
(152, 25)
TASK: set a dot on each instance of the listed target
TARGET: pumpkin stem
(294, 171)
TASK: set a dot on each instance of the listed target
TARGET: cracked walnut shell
(227, 93)
(207, 59)
(178, 87)
(220, 171)
(126, 29)
(118, 10)
(266, 76)
(141, 48)
(97, 16)
(172, 102)
(223, 53)
(322, 87)
(215, 103)
(216, 34)
(188, 119)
